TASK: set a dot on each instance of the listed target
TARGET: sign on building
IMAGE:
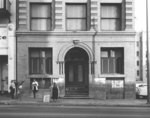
(46, 98)
(117, 83)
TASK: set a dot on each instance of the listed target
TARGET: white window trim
(29, 10)
(111, 1)
(42, 1)
(75, 1)
(99, 9)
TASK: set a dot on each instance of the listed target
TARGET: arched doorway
(76, 72)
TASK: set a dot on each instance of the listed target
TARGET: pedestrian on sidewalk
(12, 89)
(55, 92)
(34, 88)
(20, 91)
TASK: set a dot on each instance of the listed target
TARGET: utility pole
(148, 55)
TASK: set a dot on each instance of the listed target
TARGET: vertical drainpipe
(93, 47)
(16, 69)
(17, 2)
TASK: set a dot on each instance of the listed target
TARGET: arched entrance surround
(76, 60)
(63, 51)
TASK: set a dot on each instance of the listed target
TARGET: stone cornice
(77, 33)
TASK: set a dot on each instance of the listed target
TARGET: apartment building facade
(7, 44)
(86, 46)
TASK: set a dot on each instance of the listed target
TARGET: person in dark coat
(20, 92)
(12, 89)
(55, 92)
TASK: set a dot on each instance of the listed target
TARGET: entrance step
(76, 93)
(76, 97)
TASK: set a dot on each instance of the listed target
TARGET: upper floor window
(138, 73)
(111, 17)
(138, 53)
(138, 63)
(41, 17)
(4, 4)
(4, 11)
(76, 17)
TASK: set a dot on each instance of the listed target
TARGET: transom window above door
(76, 17)
(41, 17)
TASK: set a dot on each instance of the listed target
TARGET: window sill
(40, 76)
(112, 75)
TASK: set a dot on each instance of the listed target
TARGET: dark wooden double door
(76, 73)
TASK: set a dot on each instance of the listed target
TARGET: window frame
(85, 18)
(119, 6)
(116, 60)
(40, 61)
(48, 18)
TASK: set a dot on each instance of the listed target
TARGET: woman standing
(55, 91)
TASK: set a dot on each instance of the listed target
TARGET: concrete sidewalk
(82, 102)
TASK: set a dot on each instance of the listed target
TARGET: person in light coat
(34, 88)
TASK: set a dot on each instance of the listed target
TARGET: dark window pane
(112, 65)
(49, 65)
(105, 65)
(119, 65)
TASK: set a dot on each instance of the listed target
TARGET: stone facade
(67, 45)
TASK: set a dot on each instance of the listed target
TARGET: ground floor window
(40, 60)
(44, 83)
(112, 60)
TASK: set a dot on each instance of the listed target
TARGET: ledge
(76, 33)
(113, 75)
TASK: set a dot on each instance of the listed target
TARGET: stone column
(11, 54)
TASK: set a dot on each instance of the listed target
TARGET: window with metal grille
(40, 60)
(41, 17)
(112, 60)
(111, 17)
(76, 17)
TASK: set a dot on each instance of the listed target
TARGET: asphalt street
(41, 111)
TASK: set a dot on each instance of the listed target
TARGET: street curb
(65, 104)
